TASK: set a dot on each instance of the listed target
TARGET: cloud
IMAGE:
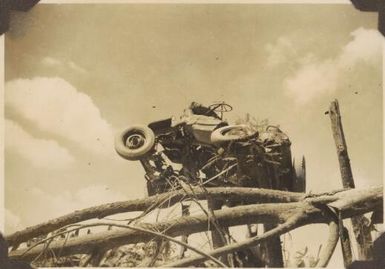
(312, 80)
(366, 46)
(280, 52)
(40, 152)
(52, 62)
(95, 195)
(55, 106)
(56, 204)
(48, 61)
(316, 77)
(76, 67)
(12, 222)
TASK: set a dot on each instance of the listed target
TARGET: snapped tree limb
(245, 195)
(292, 223)
(331, 244)
(308, 209)
(361, 232)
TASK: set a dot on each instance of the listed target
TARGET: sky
(76, 74)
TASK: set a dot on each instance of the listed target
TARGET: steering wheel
(221, 107)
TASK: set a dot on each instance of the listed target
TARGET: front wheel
(135, 142)
(232, 133)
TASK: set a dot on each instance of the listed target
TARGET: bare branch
(331, 244)
(309, 209)
(289, 225)
(245, 195)
(156, 234)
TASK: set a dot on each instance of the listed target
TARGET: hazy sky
(75, 74)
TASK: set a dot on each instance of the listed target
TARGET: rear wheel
(232, 133)
(135, 142)
(299, 175)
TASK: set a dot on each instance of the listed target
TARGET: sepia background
(76, 74)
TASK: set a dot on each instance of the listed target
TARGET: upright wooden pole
(184, 239)
(218, 237)
(273, 249)
(346, 247)
(360, 223)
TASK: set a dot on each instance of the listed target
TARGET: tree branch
(245, 195)
(331, 244)
(156, 234)
(309, 209)
(289, 225)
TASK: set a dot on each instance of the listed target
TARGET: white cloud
(53, 62)
(76, 67)
(280, 52)
(40, 152)
(57, 107)
(315, 77)
(49, 61)
(12, 222)
(366, 46)
(95, 195)
(66, 201)
(311, 80)
(63, 202)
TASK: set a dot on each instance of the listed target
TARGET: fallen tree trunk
(310, 209)
(336, 211)
(245, 195)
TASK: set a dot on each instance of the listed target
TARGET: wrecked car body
(200, 148)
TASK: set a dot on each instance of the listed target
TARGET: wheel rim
(241, 132)
(232, 133)
(135, 141)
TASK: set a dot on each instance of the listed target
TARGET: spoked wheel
(232, 133)
(135, 142)
(299, 175)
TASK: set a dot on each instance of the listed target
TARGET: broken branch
(308, 208)
(245, 195)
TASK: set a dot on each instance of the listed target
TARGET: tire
(135, 142)
(224, 135)
(299, 176)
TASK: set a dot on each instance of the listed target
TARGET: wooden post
(184, 239)
(360, 223)
(346, 247)
(273, 249)
(217, 237)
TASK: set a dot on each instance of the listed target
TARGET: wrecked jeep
(200, 148)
